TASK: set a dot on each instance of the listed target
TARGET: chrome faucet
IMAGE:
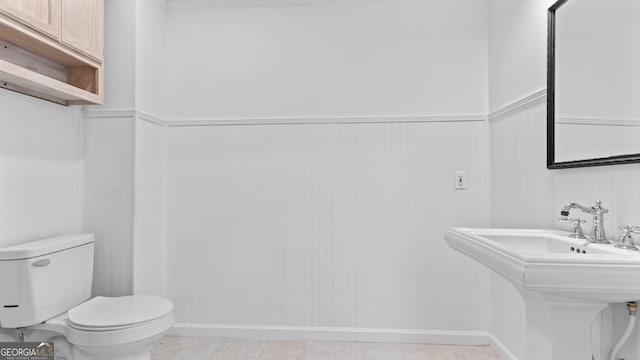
(597, 230)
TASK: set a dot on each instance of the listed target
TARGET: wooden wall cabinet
(81, 26)
(53, 49)
(42, 15)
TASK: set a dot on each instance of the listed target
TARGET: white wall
(124, 201)
(149, 246)
(519, 178)
(149, 59)
(517, 50)
(120, 54)
(40, 169)
(518, 169)
(125, 153)
(108, 198)
(336, 225)
(108, 195)
(326, 219)
(335, 58)
(134, 56)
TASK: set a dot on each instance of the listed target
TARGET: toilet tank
(42, 279)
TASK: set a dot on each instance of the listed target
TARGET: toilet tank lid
(44, 246)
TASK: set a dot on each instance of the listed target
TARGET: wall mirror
(593, 83)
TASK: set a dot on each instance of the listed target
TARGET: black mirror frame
(551, 60)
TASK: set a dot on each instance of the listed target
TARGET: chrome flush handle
(42, 262)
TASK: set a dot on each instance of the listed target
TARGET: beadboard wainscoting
(124, 200)
(108, 198)
(325, 226)
(40, 169)
(149, 247)
(518, 165)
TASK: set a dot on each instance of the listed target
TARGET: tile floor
(207, 348)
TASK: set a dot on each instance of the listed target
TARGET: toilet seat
(149, 330)
(116, 313)
(93, 327)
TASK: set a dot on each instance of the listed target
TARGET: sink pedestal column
(558, 328)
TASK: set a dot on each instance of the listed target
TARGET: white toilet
(46, 286)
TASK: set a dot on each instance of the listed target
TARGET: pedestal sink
(564, 282)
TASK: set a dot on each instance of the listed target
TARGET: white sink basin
(564, 282)
(550, 261)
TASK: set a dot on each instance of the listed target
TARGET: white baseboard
(503, 352)
(345, 334)
(334, 334)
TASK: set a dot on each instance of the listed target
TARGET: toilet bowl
(48, 284)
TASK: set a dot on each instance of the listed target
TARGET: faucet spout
(565, 210)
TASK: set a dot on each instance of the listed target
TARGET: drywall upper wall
(134, 56)
(149, 58)
(517, 50)
(119, 52)
(348, 59)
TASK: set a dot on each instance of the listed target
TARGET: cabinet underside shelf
(17, 78)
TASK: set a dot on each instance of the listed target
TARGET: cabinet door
(42, 15)
(82, 26)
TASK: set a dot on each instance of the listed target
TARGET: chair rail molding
(122, 113)
(518, 104)
(325, 120)
(200, 4)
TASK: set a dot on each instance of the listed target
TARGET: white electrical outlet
(461, 180)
